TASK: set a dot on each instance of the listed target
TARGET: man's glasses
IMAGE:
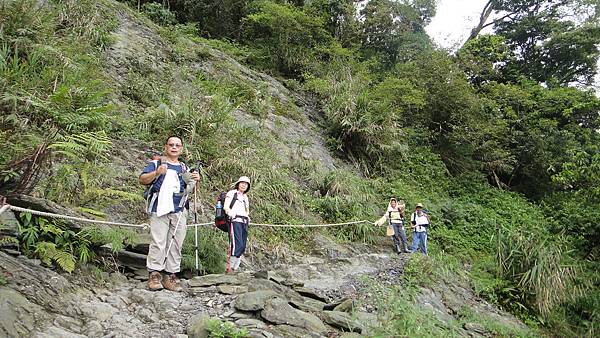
(174, 145)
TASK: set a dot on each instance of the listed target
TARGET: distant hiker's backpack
(221, 220)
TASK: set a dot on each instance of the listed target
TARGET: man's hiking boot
(172, 283)
(154, 281)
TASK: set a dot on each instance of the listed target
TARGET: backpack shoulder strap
(157, 164)
(233, 200)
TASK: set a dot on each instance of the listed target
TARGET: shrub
(160, 15)
(220, 329)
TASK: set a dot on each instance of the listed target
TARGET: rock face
(35, 203)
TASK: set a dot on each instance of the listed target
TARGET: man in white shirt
(420, 222)
(166, 206)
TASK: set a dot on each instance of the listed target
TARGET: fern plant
(6, 240)
(49, 241)
(53, 242)
(84, 146)
(49, 252)
(220, 329)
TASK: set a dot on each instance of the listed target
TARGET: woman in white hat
(237, 208)
(395, 216)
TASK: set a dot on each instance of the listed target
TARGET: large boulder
(257, 284)
(278, 311)
(310, 293)
(309, 305)
(254, 301)
(343, 321)
(251, 323)
(345, 306)
(292, 331)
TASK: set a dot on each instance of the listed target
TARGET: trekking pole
(199, 166)
(196, 228)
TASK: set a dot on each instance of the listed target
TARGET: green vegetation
(53, 242)
(220, 329)
(397, 305)
(212, 250)
(495, 140)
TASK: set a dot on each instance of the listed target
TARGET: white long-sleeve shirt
(241, 207)
(420, 221)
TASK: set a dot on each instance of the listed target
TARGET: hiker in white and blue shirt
(237, 207)
(420, 222)
(169, 182)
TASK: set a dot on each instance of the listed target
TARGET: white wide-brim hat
(243, 179)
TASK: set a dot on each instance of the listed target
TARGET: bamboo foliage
(538, 265)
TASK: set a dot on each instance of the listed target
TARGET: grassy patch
(493, 326)
(212, 250)
(399, 315)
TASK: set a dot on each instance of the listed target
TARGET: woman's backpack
(222, 221)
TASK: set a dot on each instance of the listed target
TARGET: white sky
(455, 19)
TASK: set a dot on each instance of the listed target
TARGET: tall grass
(538, 265)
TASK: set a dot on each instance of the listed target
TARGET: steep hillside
(90, 90)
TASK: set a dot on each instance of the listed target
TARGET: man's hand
(196, 176)
(161, 170)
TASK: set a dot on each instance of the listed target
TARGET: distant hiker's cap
(243, 179)
(419, 205)
(393, 199)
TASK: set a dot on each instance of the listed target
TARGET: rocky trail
(322, 294)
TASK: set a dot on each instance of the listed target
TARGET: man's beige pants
(161, 229)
